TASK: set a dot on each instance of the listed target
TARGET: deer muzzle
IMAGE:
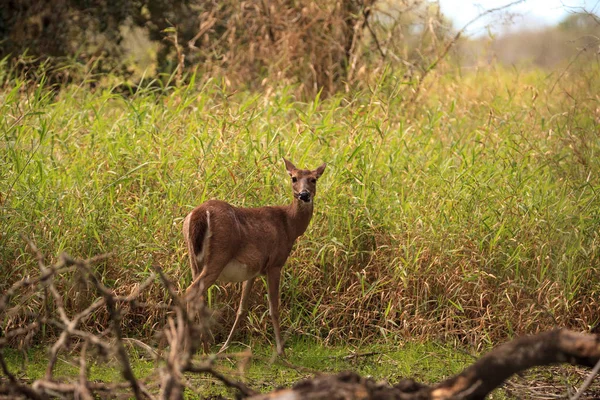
(304, 196)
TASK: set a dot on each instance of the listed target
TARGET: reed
(470, 213)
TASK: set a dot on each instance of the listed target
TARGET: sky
(530, 13)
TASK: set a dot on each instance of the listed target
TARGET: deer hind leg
(196, 303)
(246, 289)
(273, 278)
(214, 263)
(196, 231)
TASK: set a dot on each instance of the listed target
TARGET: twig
(297, 368)
(357, 31)
(115, 319)
(356, 355)
(101, 344)
(205, 26)
(148, 349)
(18, 332)
(566, 69)
(15, 384)
(173, 38)
(70, 329)
(43, 386)
(588, 381)
(383, 54)
(208, 369)
(83, 391)
(27, 281)
(475, 382)
(453, 41)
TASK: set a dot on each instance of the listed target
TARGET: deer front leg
(246, 289)
(273, 278)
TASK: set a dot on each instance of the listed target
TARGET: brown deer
(231, 244)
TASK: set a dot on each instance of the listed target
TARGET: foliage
(309, 41)
(471, 214)
(428, 362)
(573, 40)
(323, 47)
(56, 30)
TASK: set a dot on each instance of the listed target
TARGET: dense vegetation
(470, 212)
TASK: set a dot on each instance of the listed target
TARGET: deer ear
(320, 170)
(289, 166)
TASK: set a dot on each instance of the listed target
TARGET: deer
(234, 244)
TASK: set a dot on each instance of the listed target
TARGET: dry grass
(470, 214)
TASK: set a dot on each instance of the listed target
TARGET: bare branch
(453, 41)
(18, 332)
(208, 369)
(84, 391)
(588, 381)
(475, 382)
(115, 318)
(16, 386)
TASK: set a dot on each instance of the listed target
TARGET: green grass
(469, 215)
(32, 365)
(426, 362)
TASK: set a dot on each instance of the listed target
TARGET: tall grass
(471, 214)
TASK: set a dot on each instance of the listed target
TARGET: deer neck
(299, 215)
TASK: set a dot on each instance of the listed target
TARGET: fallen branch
(353, 356)
(588, 381)
(475, 382)
(208, 368)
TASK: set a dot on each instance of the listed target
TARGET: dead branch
(353, 356)
(453, 41)
(475, 382)
(15, 387)
(180, 332)
(588, 381)
(115, 318)
(183, 341)
(84, 391)
(208, 368)
(557, 346)
(45, 284)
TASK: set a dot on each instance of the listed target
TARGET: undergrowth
(430, 362)
(470, 213)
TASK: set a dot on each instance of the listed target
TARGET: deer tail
(196, 229)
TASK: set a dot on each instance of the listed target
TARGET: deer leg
(196, 292)
(246, 289)
(273, 277)
(195, 296)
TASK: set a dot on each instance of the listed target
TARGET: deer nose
(304, 195)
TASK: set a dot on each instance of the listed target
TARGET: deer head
(304, 181)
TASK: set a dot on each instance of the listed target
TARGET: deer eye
(294, 179)
(313, 180)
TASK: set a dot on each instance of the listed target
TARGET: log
(475, 382)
